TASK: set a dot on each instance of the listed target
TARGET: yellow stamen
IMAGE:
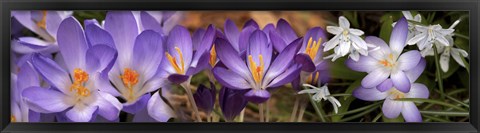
(173, 61)
(13, 119)
(386, 62)
(315, 78)
(397, 94)
(80, 77)
(213, 56)
(312, 48)
(257, 71)
(43, 22)
(130, 79)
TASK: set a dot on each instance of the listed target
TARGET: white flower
(411, 26)
(430, 35)
(347, 39)
(457, 55)
(321, 93)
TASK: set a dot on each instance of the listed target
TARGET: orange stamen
(312, 48)
(13, 118)
(257, 71)
(213, 56)
(173, 61)
(80, 77)
(43, 22)
(130, 79)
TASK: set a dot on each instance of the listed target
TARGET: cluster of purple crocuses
(130, 61)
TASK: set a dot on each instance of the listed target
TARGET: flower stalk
(186, 86)
(439, 73)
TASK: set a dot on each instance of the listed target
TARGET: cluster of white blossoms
(426, 36)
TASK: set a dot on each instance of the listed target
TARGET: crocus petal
(380, 53)
(51, 72)
(133, 108)
(25, 18)
(150, 23)
(267, 29)
(100, 58)
(398, 38)
(232, 33)
(277, 41)
(244, 38)
(392, 108)
(415, 72)
(143, 116)
(27, 76)
(364, 64)
(315, 33)
(147, 53)
(306, 61)
(418, 91)
(230, 79)
(231, 102)
(45, 100)
(169, 22)
(33, 42)
(283, 60)
(409, 60)
(197, 37)
(204, 46)
(258, 45)
(122, 26)
(178, 78)
(230, 58)
(401, 81)
(108, 106)
(369, 94)
(180, 37)
(158, 109)
(257, 96)
(385, 85)
(72, 43)
(375, 77)
(286, 77)
(87, 22)
(410, 112)
(343, 22)
(251, 23)
(81, 113)
(286, 31)
(53, 20)
(96, 35)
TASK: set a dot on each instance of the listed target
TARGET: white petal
(344, 48)
(343, 22)
(334, 30)
(442, 40)
(457, 57)
(444, 59)
(417, 38)
(407, 15)
(332, 43)
(356, 32)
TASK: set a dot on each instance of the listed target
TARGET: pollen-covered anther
(173, 61)
(257, 71)
(129, 79)
(80, 77)
(396, 94)
(43, 22)
(213, 56)
(13, 118)
(312, 47)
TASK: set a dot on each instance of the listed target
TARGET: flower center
(312, 48)
(313, 78)
(80, 77)
(130, 79)
(13, 119)
(389, 62)
(43, 22)
(345, 32)
(213, 56)
(180, 69)
(396, 94)
(257, 71)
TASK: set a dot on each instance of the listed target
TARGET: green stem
(358, 109)
(435, 118)
(467, 65)
(339, 94)
(377, 117)
(317, 109)
(462, 36)
(359, 114)
(431, 101)
(455, 100)
(439, 73)
(444, 113)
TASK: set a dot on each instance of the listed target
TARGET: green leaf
(445, 113)
(387, 27)
(339, 70)
(432, 101)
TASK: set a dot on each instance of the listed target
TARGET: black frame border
(465, 5)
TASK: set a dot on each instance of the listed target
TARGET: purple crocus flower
(392, 108)
(232, 102)
(134, 74)
(43, 23)
(388, 61)
(160, 21)
(75, 89)
(310, 54)
(181, 62)
(259, 71)
(20, 111)
(240, 39)
(205, 97)
(283, 35)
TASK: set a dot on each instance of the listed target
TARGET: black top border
(465, 5)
